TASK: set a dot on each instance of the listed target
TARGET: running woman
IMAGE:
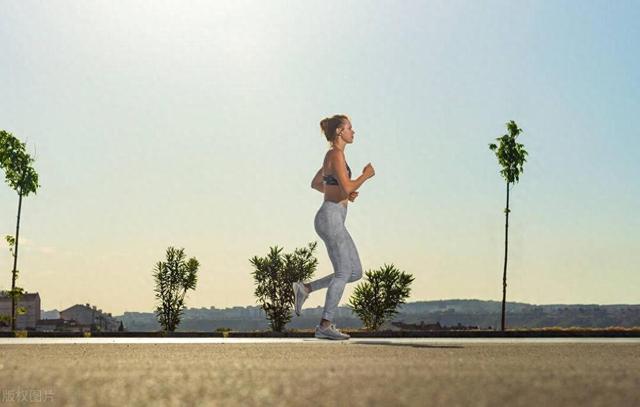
(334, 180)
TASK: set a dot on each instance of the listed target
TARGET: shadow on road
(414, 345)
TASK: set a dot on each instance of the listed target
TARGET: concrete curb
(581, 333)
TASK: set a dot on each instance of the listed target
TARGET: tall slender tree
(511, 157)
(22, 178)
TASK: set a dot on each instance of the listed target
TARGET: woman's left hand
(353, 196)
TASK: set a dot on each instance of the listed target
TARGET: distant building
(90, 316)
(28, 321)
(61, 325)
(53, 314)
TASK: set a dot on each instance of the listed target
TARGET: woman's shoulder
(334, 153)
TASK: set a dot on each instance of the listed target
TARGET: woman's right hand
(368, 171)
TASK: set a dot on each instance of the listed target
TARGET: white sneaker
(300, 294)
(330, 332)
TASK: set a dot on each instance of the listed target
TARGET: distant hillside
(467, 312)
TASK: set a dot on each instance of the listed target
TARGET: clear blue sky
(157, 123)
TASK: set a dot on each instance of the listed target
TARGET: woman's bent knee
(355, 276)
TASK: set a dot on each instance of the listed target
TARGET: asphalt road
(301, 373)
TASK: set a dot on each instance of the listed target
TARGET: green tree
(173, 278)
(376, 299)
(511, 157)
(274, 275)
(22, 178)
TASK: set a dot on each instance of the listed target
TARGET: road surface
(306, 371)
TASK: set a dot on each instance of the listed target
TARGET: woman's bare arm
(317, 181)
(340, 168)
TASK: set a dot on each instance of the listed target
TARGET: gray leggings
(329, 224)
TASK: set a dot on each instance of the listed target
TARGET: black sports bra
(331, 180)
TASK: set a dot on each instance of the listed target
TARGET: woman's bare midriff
(335, 194)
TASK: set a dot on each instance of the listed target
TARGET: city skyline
(198, 127)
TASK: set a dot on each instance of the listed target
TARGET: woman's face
(346, 132)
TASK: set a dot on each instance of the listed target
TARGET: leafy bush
(376, 299)
(173, 278)
(274, 275)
